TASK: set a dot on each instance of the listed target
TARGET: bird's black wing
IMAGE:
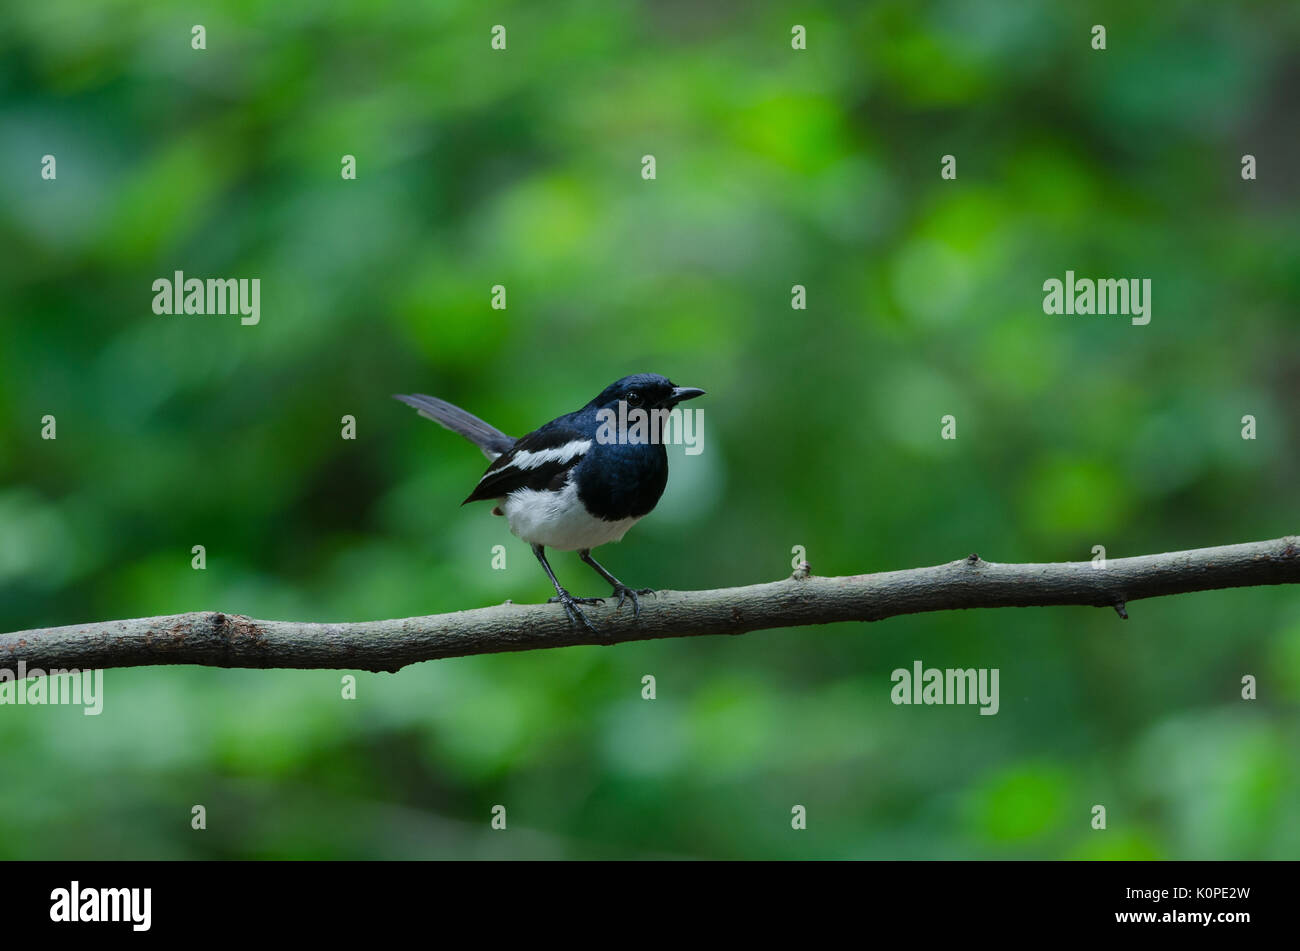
(540, 460)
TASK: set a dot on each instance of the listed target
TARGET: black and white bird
(567, 485)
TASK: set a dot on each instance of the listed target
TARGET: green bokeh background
(775, 168)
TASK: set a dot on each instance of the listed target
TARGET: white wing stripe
(523, 459)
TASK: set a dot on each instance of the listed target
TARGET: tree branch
(215, 639)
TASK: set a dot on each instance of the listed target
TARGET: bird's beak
(682, 393)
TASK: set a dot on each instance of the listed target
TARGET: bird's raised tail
(491, 440)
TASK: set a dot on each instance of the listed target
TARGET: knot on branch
(229, 629)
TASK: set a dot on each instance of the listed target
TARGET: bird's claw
(575, 613)
(624, 592)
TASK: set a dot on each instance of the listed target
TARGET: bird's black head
(644, 391)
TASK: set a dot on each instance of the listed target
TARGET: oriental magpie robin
(568, 485)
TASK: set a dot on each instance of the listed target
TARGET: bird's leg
(620, 589)
(569, 601)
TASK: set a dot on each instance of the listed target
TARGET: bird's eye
(633, 398)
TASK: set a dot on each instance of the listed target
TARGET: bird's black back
(615, 480)
(504, 475)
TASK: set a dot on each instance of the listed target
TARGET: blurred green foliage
(775, 167)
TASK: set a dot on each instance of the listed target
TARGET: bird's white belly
(558, 520)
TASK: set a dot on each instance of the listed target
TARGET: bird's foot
(575, 613)
(572, 600)
(624, 592)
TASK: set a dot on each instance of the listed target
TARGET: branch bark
(215, 639)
